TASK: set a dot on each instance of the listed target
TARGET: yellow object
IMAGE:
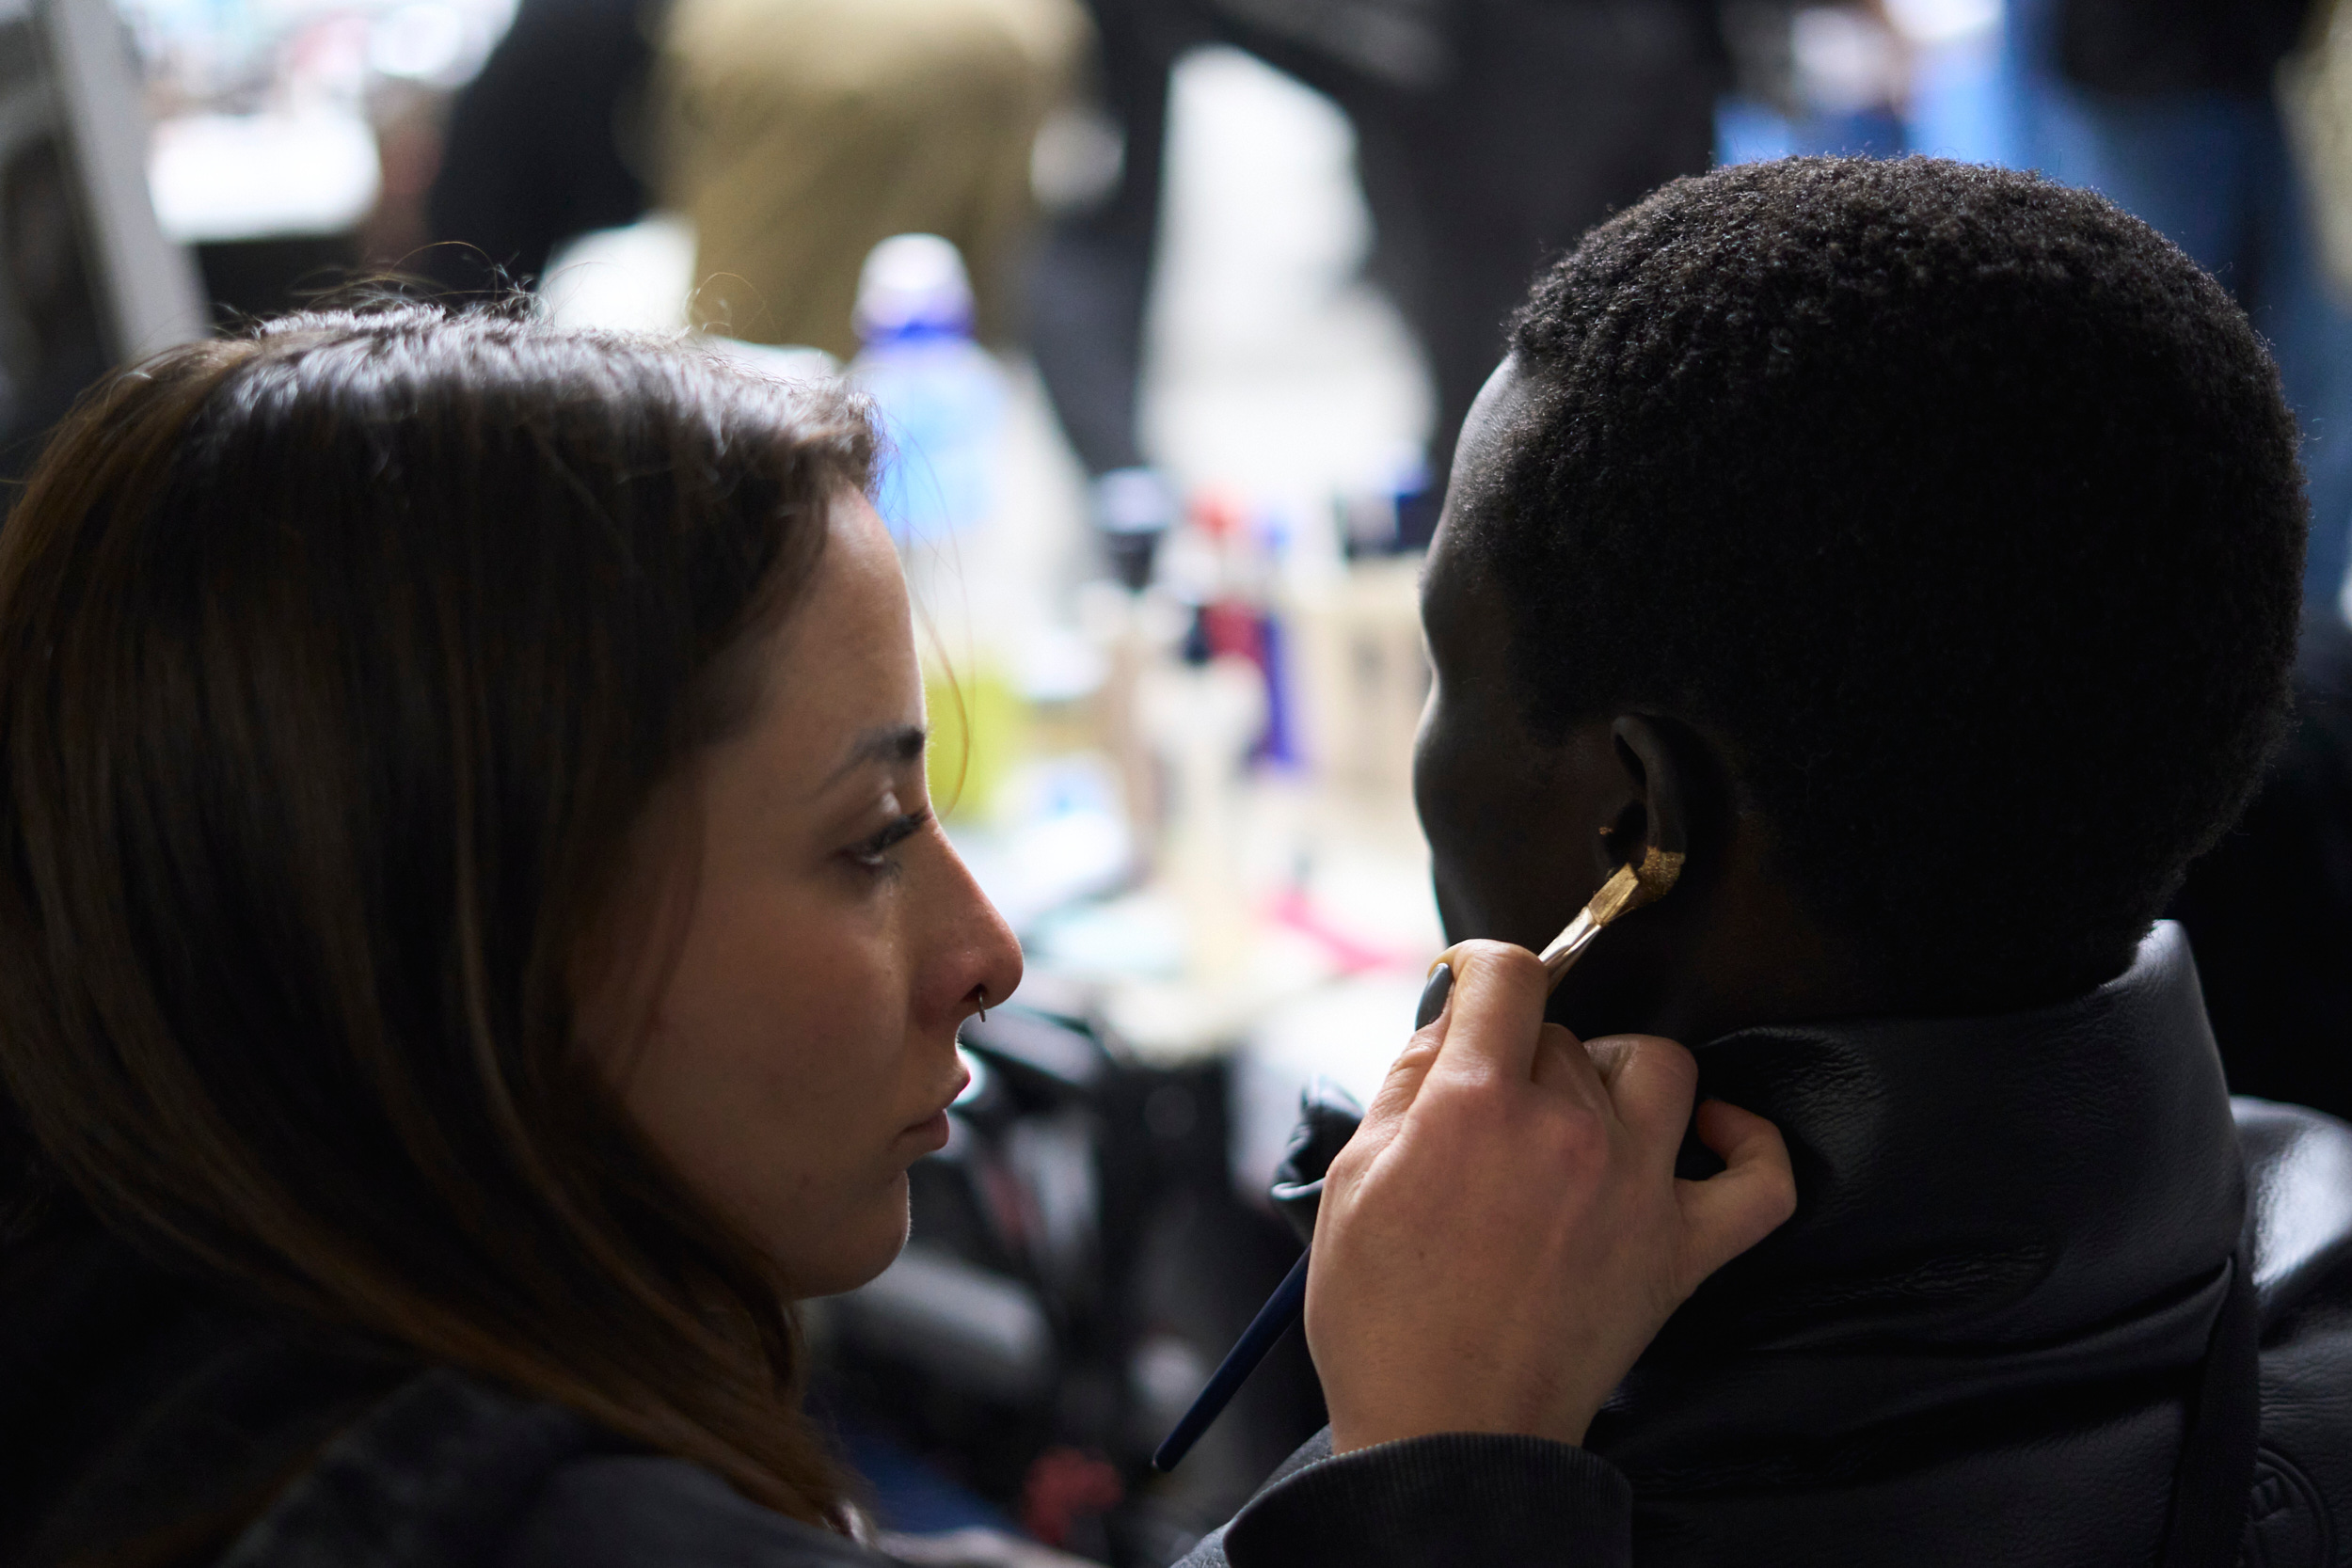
(979, 733)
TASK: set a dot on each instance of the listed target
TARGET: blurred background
(1171, 308)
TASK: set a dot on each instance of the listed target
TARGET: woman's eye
(873, 854)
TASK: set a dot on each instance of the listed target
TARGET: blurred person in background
(1490, 135)
(2169, 107)
(798, 135)
(476, 950)
(546, 142)
(2173, 108)
(793, 134)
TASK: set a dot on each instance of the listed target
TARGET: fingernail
(1433, 995)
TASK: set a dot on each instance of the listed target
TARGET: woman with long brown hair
(475, 949)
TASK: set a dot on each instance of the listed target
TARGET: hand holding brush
(1490, 1094)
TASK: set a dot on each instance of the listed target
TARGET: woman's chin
(858, 1252)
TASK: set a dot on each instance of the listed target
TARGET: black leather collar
(1989, 1210)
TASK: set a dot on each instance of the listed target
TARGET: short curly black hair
(1960, 504)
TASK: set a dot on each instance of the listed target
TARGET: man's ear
(1657, 779)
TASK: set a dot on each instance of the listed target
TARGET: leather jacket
(1976, 1341)
(1981, 1338)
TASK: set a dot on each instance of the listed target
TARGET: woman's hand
(1505, 1233)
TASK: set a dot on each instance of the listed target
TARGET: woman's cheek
(796, 992)
(847, 1062)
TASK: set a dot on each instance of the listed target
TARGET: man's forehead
(1462, 617)
(1493, 419)
(1452, 591)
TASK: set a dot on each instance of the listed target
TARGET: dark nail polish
(1433, 996)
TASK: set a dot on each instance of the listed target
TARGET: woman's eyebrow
(891, 743)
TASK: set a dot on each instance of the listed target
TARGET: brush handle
(1282, 1308)
(1567, 947)
(1288, 1302)
(1285, 1306)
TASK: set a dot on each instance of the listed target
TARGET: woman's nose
(979, 957)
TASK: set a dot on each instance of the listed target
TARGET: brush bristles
(1636, 883)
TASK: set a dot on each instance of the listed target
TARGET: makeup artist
(476, 948)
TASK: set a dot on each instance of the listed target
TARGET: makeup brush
(1645, 880)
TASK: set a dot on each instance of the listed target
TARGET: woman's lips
(932, 1130)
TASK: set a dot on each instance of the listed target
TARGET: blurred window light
(1276, 370)
(1930, 23)
(427, 43)
(231, 56)
(1846, 59)
(634, 279)
(234, 177)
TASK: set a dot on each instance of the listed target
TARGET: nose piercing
(981, 991)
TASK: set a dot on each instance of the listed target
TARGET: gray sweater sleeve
(1455, 1500)
(1463, 1498)
(452, 1469)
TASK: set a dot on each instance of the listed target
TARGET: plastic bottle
(941, 395)
(942, 401)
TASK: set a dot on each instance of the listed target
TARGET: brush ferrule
(1636, 882)
(1568, 946)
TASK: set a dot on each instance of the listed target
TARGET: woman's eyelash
(871, 853)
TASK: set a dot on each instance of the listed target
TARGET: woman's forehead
(843, 672)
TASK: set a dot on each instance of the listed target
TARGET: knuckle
(1417, 1052)
(1463, 1100)
(1612, 1054)
(1498, 963)
(1347, 1168)
(1664, 1055)
(1663, 1068)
